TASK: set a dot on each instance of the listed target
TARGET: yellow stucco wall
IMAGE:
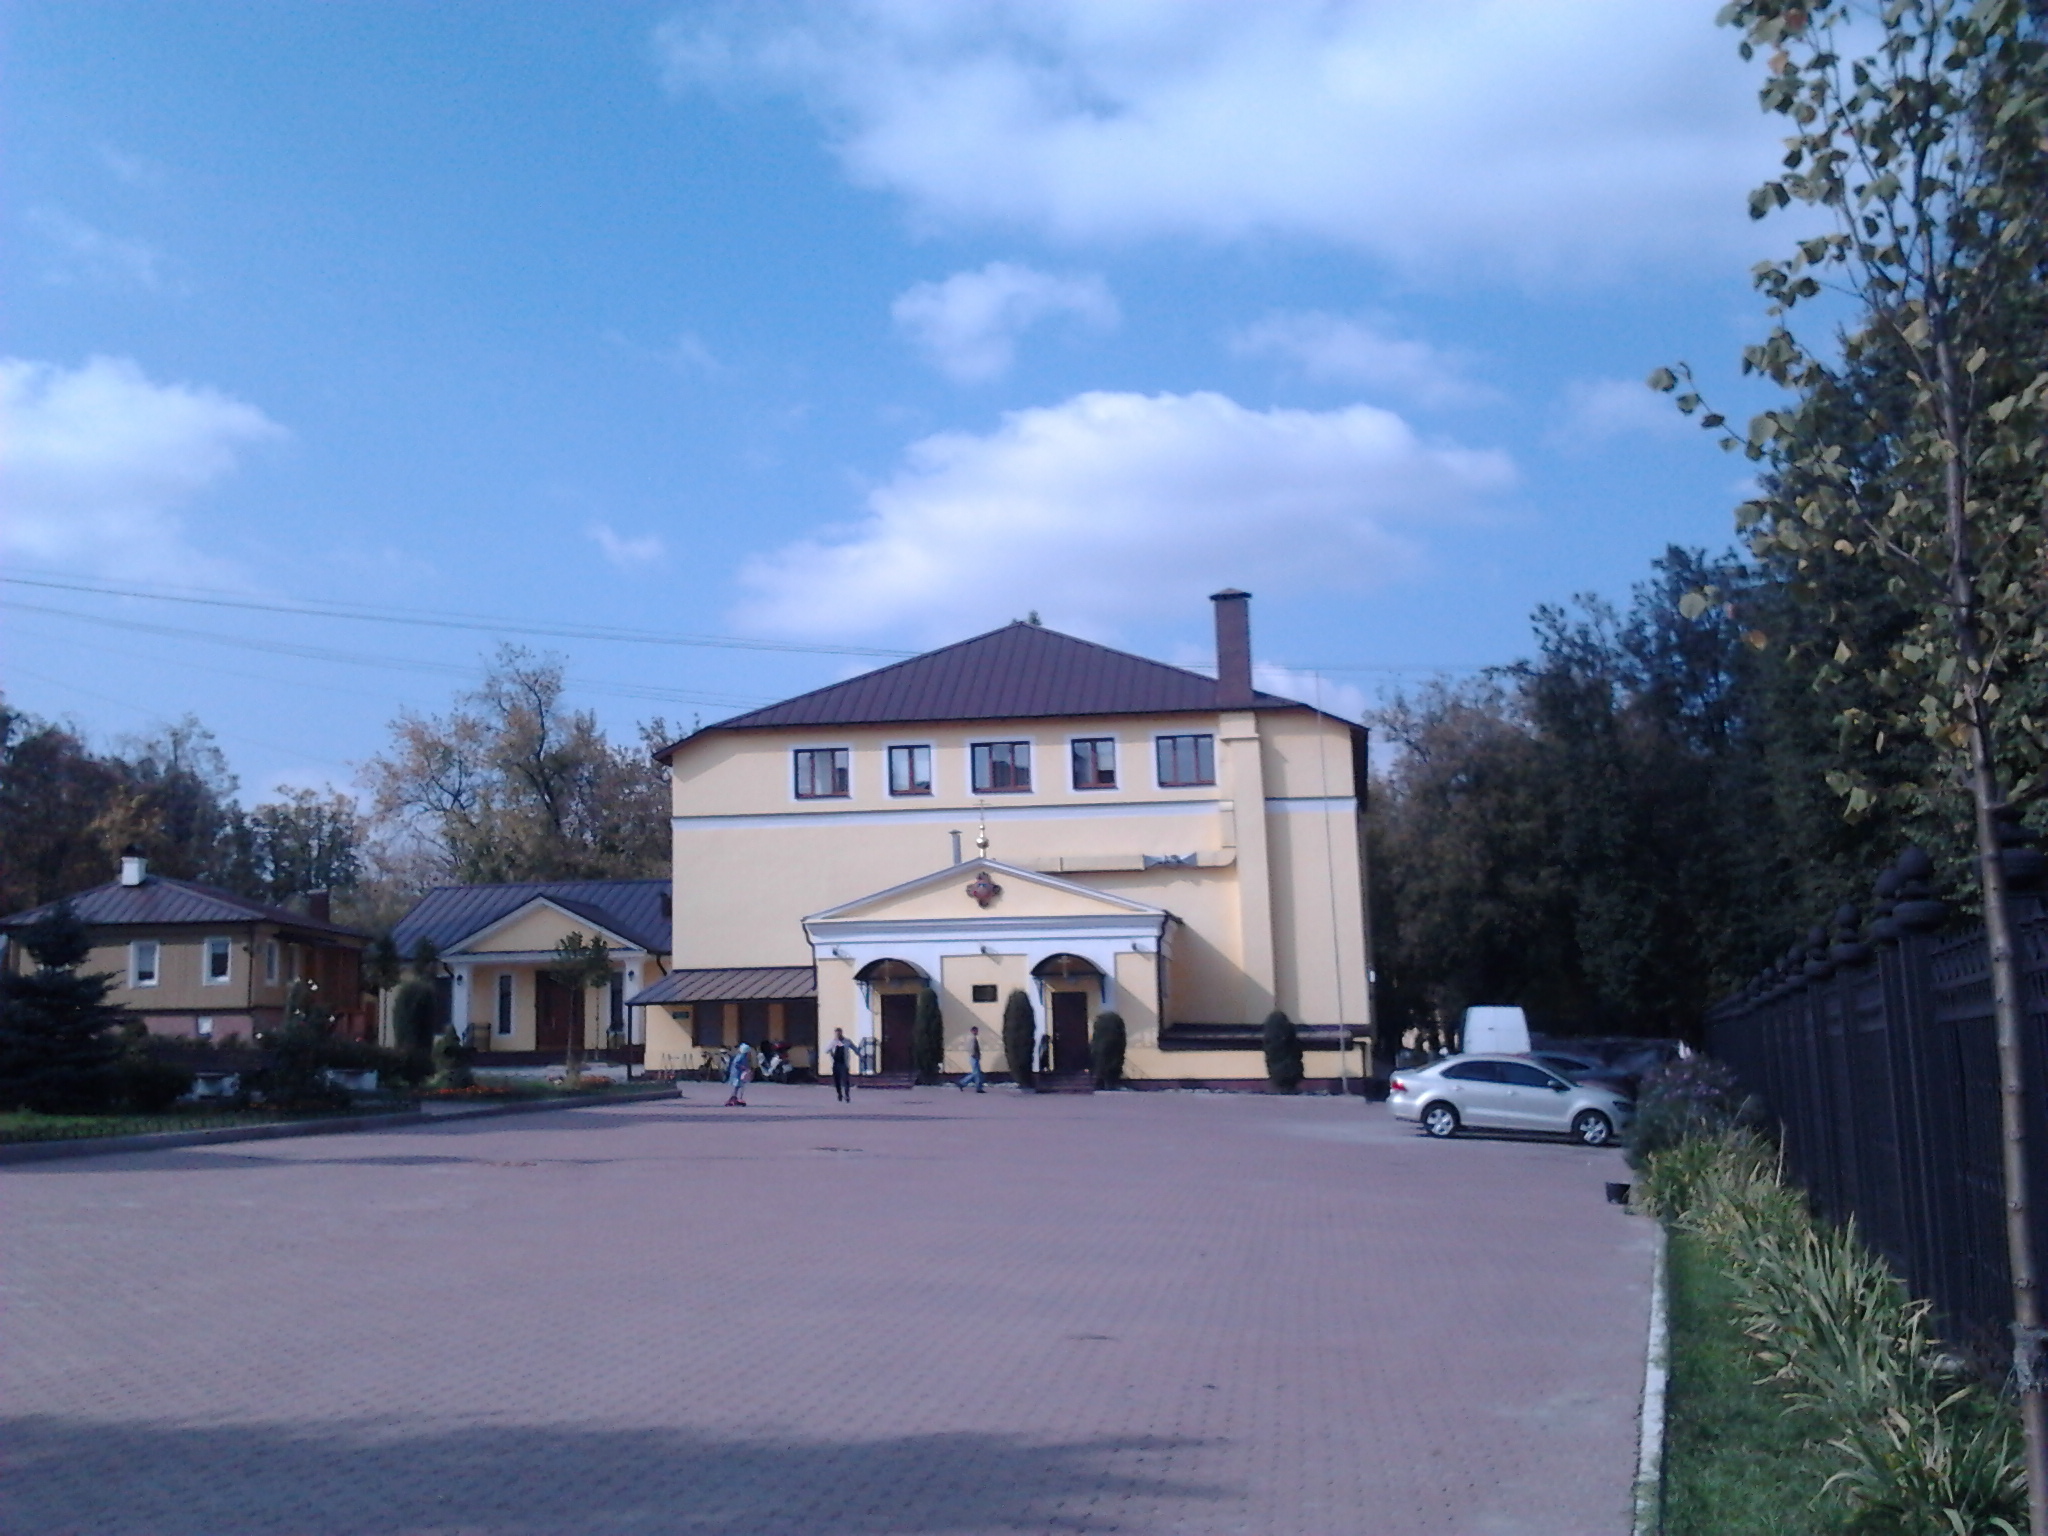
(1273, 915)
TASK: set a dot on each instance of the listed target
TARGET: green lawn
(27, 1125)
(1736, 1461)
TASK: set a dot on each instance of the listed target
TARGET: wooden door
(557, 1011)
(1070, 1032)
(898, 1015)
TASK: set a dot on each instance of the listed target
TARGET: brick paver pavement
(926, 1312)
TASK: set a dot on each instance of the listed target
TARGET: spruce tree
(58, 1041)
(1106, 1049)
(1283, 1051)
(928, 1037)
(1020, 1038)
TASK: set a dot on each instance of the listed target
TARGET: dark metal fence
(1872, 1046)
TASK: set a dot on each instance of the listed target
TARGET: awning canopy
(735, 984)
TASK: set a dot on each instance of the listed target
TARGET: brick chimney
(320, 906)
(1233, 648)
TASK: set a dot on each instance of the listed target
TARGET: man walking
(973, 1060)
(841, 1052)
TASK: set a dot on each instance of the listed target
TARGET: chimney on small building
(134, 867)
(1233, 648)
(320, 906)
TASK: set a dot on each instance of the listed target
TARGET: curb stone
(158, 1141)
(1649, 1515)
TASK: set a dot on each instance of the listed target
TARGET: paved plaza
(927, 1312)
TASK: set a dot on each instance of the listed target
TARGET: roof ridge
(1020, 670)
(882, 671)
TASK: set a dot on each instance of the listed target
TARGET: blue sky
(861, 326)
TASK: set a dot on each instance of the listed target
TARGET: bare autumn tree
(514, 784)
(1915, 443)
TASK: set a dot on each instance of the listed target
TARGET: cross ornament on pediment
(984, 890)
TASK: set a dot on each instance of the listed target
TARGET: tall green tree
(53, 792)
(59, 1039)
(1914, 441)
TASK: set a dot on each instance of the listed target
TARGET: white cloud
(1365, 351)
(1111, 507)
(96, 460)
(1556, 139)
(967, 326)
(1326, 694)
(628, 554)
(82, 253)
(1598, 410)
(134, 170)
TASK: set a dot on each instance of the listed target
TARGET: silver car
(1507, 1093)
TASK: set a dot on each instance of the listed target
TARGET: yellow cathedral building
(1023, 810)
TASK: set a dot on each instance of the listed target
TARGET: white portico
(973, 932)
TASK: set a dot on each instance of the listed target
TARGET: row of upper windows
(216, 962)
(1004, 767)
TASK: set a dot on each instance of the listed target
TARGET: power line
(381, 663)
(375, 614)
(128, 704)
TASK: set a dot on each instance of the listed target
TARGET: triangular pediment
(539, 924)
(957, 891)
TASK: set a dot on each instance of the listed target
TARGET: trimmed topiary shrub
(927, 1037)
(1283, 1051)
(1106, 1044)
(451, 1061)
(1020, 1033)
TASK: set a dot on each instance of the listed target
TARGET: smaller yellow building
(195, 960)
(1029, 811)
(497, 946)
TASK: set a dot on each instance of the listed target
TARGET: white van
(1495, 1031)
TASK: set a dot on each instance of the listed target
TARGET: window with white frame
(910, 770)
(1001, 767)
(270, 961)
(203, 1027)
(1095, 762)
(142, 963)
(1185, 760)
(217, 962)
(823, 773)
(505, 1002)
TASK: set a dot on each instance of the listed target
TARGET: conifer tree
(928, 1037)
(58, 1038)
(1283, 1051)
(1106, 1047)
(1020, 1038)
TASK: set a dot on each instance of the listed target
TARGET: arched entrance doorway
(892, 987)
(1072, 987)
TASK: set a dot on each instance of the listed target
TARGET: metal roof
(161, 901)
(1020, 671)
(451, 913)
(780, 982)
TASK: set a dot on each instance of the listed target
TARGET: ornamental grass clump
(1925, 1450)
